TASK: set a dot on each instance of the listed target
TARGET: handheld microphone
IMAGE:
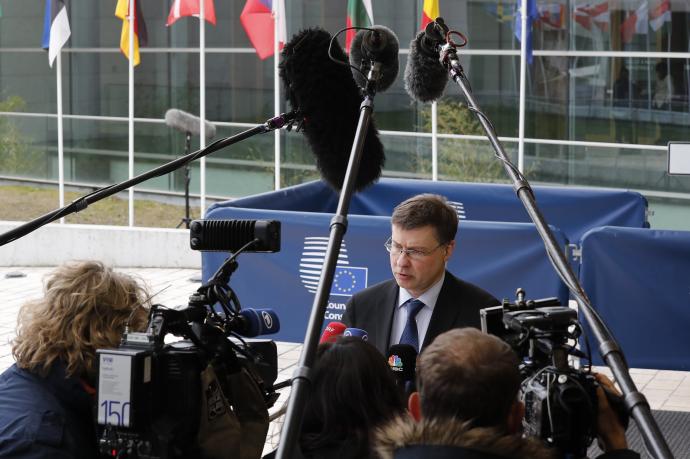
(255, 322)
(380, 44)
(357, 333)
(402, 360)
(188, 123)
(327, 97)
(332, 331)
(425, 76)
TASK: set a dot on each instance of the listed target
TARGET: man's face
(417, 272)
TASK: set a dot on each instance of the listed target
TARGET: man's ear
(414, 406)
(449, 249)
(515, 416)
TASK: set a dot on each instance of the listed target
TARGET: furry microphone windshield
(327, 97)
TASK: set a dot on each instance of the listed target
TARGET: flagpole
(276, 96)
(202, 104)
(61, 148)
(130, 114)
(523, 78)
(434, 141)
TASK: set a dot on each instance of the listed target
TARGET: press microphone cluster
(336, 329)
(188, 123)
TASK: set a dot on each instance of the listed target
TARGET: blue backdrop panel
(573, 210)
(639, 281)
(497, 256)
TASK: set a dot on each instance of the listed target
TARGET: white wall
(114, 245)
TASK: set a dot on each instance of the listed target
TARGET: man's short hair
(85, 306)
(427, 210)
(468, 375)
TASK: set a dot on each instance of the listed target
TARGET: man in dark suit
(424, 299)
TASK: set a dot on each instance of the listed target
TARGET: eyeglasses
(415, 254)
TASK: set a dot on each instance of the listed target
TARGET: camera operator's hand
(610, 430)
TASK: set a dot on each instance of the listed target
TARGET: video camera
(560, 400)
(198, 395)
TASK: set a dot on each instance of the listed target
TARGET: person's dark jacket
(403, 438)
(458, 305)
(47, 417)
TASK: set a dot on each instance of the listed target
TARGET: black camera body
(560, 400)
(139, 402)
(193, 397)
(149, 392)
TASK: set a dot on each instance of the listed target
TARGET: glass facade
(606, 89)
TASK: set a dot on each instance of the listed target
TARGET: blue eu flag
(348, 280)
(532, 16)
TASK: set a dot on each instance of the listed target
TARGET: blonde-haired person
(47, 397)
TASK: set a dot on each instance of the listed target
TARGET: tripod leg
(186, 220)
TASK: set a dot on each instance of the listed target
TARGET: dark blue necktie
(409, 334)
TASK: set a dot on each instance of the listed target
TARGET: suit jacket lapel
(445, 311)
(383, 328)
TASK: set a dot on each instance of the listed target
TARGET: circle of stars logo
(345, 281)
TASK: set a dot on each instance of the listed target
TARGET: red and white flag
(182, 8)
(659, 14)
(637, 22)
(588, 14)
(552, 15)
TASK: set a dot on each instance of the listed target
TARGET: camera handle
(612, 354)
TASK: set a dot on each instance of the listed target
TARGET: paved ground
(667, 390)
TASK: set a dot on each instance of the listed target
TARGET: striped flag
(258, 18)
(140, 36)
(637, 22)
(598, 14)
(182, 8)
(360, 13)
(56, 29)
(659, 14)
(552, 15)
(430, 11)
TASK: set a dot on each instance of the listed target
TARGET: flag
(659, 14)
(140, 36)
(532, 15)
(359, 14)
(598, 14)
(637, 22)
(552, 15)
(257, 18)
(500, 12)
(56, 29)
(430, 11)
(182, 8)
(348, 280)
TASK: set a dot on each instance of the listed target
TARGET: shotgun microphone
(188, 123)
